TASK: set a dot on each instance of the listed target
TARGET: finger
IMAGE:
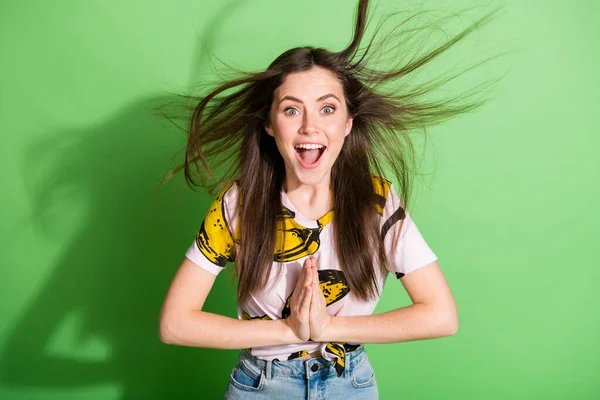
(301, 294)
(302, 277)
(314, 299)
(319, 296)
(306, 301)
(317, 285)
(306, 263)
(308, 272)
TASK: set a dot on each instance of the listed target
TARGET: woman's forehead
(310, 85)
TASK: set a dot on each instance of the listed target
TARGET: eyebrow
(297, 100)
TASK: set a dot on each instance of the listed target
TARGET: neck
(313, 201)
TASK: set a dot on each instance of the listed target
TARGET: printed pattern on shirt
(247, 317)
(381, 187)
(294, 241)
(218, 237)
(214, 238)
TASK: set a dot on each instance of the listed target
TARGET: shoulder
(224, 205)
(227, 196)
(228, 190)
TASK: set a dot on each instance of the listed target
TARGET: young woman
(311, 221)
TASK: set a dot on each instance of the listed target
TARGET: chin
(311, 178)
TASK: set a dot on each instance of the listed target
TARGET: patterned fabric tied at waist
(335, 352)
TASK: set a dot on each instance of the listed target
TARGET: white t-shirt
(299, 237)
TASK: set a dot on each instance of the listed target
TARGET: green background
(508, 198)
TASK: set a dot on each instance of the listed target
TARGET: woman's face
(309, 121)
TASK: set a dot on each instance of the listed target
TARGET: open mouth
(309, 154)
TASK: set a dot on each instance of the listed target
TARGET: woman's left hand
(320, 320)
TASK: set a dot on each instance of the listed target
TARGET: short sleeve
(215, 244)
(411, 252)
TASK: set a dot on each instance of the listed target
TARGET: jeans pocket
(363, 374)
(247, 377)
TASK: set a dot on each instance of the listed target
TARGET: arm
(183, 322)
(433, 314)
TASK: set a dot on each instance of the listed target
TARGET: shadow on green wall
(107, 284)
(112, 275)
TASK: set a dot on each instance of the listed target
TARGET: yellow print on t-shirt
(214, 239)
(294, 241)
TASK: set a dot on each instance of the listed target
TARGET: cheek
(337, 129)
(285, 129)
(282, 137)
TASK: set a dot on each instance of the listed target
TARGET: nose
(309, 124)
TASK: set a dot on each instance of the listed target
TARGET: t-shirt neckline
(301, 219)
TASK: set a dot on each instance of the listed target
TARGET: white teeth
(309, 146)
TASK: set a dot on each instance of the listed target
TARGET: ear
(269, 129)
(348, 126)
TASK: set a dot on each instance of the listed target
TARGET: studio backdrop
(507, 196)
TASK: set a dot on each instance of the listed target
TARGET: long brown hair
(227, 135)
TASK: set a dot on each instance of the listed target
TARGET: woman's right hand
(298, 321)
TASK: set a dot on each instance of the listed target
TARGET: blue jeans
(311, 379)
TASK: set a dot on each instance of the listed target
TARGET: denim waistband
(299, 367)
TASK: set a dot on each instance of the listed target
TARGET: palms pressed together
(308, 318)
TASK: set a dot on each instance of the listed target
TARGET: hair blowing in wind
(227, 141)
